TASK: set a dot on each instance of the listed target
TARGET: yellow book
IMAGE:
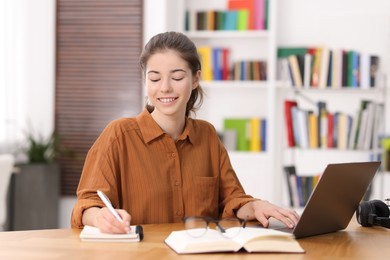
(255, 135)
(316, 67)
(313, 131)
(206, 62)
(211, 20)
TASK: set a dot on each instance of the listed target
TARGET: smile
(167, 100)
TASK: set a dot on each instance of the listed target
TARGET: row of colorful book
(299, 187)
(245, 134)
(240, 15)
(322, 67)
(216, 65)
(324, 129)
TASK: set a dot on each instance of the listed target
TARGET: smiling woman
(163, 164)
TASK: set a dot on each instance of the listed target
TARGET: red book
(288, 104)
(225, 64)
(330, 131)
(248, 5)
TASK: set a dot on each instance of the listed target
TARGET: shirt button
(177, 183)
(173, 155)
(179, 213)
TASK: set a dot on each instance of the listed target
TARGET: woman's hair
(187, 51)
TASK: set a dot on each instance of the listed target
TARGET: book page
(212, 241)
(267, 240)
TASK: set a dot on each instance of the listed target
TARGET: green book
(242, 20)
(285, 52)
(241, 126)
(386, 153)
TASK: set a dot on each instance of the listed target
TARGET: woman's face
(169, 83)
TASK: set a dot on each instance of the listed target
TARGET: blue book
(217, 63)
(263, 137)
(230, 21)
(355, 69)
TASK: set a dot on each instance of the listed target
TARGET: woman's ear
(195, 84)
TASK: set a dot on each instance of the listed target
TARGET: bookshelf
(241, 98)
(261, 173)
(347, 28)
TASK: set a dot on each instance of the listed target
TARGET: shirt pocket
(207, 191)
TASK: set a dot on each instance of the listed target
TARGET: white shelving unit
(356, 25)
(291, 23)
(243, 99)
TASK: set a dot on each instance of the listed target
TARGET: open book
(93, 234)
(251, 239)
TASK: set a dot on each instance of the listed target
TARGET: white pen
(108, 204)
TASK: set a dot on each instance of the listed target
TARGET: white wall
(27, 69)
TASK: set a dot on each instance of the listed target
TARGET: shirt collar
(150, 130)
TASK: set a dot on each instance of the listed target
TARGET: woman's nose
(165, 85)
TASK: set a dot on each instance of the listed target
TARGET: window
(98, 76)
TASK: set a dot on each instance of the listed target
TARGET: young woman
(163, 165)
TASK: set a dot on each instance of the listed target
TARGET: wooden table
(355, 242)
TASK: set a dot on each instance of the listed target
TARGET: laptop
(335, 198)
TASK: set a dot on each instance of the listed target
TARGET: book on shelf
(255, 141)
(205, 55)
(337, 66)
(242, 20)
(313, 130)
(342, 131)
(323, 67)
(322, 124)
(288, 104)
(290, 173)
(295, 71)
(256, 12)
(334, 129)
(216, 65)
(307, 65)
(248, 6)
(364, 72)
(300, 187)
(250, 239)
(385, 143)
(263, 134)
(302, 128)
(250, 134)
(315, 73)
(93, 234)
(374, 67)
(230, 21)
(249, 70)
(260, 15)
(238, 15)
(240, 125)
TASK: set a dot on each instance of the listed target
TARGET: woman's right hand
(103, 219)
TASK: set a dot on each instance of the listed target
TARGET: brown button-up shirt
(157, 180)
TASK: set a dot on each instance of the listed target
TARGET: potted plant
(36, 187)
